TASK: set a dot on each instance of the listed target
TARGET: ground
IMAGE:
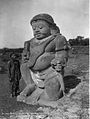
(74, 105)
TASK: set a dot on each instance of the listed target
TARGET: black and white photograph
(44, 59)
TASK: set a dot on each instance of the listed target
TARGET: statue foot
(49, 103)
(21, 98)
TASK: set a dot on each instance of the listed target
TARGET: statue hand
(58, 67)
(58, 62)
(24, 59)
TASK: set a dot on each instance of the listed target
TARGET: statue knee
(53, 89)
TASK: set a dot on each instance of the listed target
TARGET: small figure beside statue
(14, 74)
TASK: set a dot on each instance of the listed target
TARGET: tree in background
(79, 41)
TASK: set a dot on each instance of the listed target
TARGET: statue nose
(37, 30)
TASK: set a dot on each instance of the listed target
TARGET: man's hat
(45, 17)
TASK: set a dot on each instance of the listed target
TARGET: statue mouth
(38, 35)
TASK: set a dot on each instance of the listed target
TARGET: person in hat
(14, 74)
(43, 60)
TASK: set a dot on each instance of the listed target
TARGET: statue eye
(40, 27)
(34, 28)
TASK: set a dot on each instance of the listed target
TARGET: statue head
(42, 25)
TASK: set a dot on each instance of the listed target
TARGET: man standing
(14, 74)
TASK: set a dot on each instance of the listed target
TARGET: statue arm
(60, 58)
(26, 52)
(61, 54)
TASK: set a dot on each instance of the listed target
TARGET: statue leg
(26, 75)
(61, 75)
(30, 86)
(54, 85)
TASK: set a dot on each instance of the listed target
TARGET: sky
(72, 17)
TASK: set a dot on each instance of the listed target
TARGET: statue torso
(42, 53)
(44, 60)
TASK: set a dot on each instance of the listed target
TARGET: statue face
(41, 29)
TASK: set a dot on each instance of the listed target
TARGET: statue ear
(54, 29)
(51, 30)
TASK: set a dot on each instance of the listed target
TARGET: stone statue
(43, 60)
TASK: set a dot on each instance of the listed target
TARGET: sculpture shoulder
(27, 43)
(60, 38)
(61, 42)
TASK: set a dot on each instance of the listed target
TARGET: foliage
(79, 41)
(5, 53)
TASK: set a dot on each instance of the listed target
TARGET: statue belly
(44, 61)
